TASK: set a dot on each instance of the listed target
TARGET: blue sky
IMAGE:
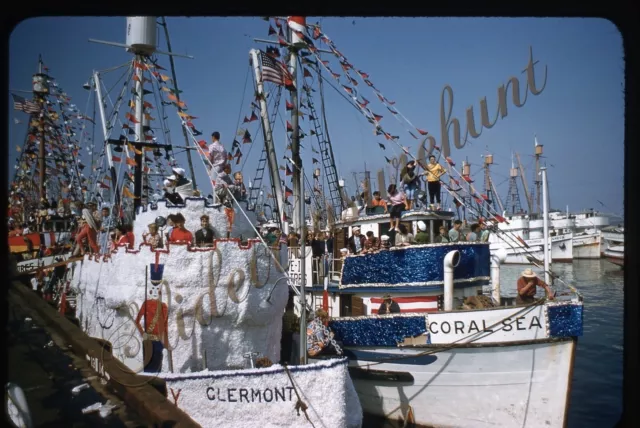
(579, 117)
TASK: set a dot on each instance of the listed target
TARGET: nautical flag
(409, 304)
(275, 71)
(22, 104)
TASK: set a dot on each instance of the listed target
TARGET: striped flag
(22, 104)
(409, 304)
(274, 71)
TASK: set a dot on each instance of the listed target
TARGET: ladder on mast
(328, 161)
(256, 185)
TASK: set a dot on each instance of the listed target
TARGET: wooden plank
(132, 388)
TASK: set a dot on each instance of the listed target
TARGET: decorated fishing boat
(450, 356)
(204, 316)
(48, 175)
(425, 345)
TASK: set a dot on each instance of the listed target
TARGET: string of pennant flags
(57, 124)
(363, 106)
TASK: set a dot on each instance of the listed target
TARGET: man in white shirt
(218, 158)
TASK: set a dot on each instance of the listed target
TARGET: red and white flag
(409, 304)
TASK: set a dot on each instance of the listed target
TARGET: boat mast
(139, 115)
(268, 137)
(40, 90)
(488, 161)
(524, 184)
(545, 223)
(141, 40)
(105, 131)
(536, 179)
(296, 23)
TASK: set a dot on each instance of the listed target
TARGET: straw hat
(528, 273)
(386, 296)
(321, 313)
(356, 228)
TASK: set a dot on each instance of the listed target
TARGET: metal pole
(303, 271)
(41, 152)
(177, 94)
(137, 185)
(295, 137)
(105, 132)
(545, 223)
(268, 137)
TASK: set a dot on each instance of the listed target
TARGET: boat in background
(528, 241)
(612, 236)
(615, 255)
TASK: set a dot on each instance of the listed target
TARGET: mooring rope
(300, 405)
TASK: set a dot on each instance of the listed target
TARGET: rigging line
(350, 101)
(244, 90)
(255, 88)
(117, 82)
(108, 70)
(114, 117)
(164, 128)
(82, 138)
(378, 93)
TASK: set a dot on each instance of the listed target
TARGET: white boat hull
(506, 385)
(267, 397)
(587, 246)
(615, 255)
(519, 256)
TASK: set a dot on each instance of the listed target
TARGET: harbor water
(596, 398)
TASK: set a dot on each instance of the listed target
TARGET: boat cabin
(357, 284)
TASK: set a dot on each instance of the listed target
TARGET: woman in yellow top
(433, 172)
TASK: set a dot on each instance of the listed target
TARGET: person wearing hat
(388, 306)
(355, 243)
(527, 287)
(170, 193)
(422, 237)
(182, 184)
(385, 244)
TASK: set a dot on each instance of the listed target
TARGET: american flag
(19, 103)
(273, 71)
(409, 304)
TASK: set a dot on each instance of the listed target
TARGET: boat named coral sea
(451, 357)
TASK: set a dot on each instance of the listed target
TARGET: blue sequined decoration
(378, 331)
(565, 320)
(413, 265)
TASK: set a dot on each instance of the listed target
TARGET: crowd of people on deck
(404, 196)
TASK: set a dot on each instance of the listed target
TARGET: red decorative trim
(190, 248)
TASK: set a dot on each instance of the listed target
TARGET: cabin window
(383, 229)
